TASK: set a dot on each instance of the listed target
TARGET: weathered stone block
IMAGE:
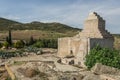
(102, 69)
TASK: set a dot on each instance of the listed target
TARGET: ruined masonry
(93, 33)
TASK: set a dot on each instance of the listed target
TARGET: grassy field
(36, 34)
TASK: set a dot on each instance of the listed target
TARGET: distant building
(93, 33)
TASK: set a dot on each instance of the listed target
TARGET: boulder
(67, 61)
(30, 72)
(103, 69)
(39, 53)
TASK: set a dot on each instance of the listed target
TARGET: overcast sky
(70, 12)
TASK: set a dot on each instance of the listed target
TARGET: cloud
(11, 17)
(70, 12)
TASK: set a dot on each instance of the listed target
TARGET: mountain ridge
(6, 24)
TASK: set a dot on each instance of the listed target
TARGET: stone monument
(94, 33)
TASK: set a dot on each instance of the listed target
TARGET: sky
(70, 12)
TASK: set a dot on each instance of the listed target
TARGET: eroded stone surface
(102, 69)
(56, 71)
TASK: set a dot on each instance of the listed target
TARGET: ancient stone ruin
(93, 33)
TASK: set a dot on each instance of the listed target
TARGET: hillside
(36, 29)
(5, 24)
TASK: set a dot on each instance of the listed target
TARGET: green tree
(31, 40)
(46, 43)
(106, 56)
(10, 38)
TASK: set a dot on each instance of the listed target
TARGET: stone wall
(108, 43)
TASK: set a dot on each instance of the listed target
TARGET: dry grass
(26, 34)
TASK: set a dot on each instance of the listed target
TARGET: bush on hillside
(109, 57)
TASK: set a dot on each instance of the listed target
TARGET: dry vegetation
(117, 43)
(37, 34)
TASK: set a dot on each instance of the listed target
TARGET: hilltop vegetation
(5, 24)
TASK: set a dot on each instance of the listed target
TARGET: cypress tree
(10, 38)
(31, 40)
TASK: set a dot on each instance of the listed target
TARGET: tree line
(40, 43)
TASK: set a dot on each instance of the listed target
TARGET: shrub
(19, 44)
(106, 56)
(36, 50)
(6, 44)
(45, 43)
(38, 44)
